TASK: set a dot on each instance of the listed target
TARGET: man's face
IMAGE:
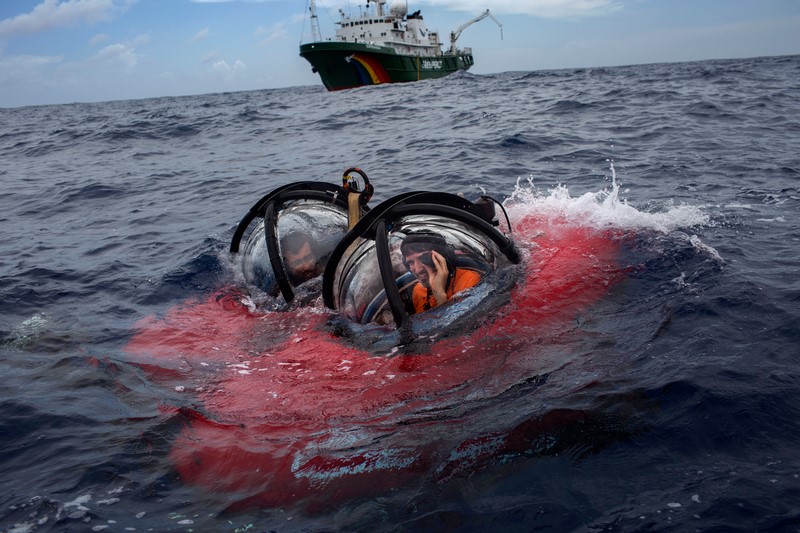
(301, 265)
(419, 264)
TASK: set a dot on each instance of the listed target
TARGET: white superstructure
(406, 34)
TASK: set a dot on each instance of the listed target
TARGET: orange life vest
(423, 298)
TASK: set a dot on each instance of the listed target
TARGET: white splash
(27, 332)
(704, 248)
(604, 209)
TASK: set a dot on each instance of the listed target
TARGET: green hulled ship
(383, 47)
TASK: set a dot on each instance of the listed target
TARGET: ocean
(671, 403)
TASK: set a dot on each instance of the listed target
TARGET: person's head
(300, 257)
(417, 251)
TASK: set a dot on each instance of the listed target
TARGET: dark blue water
(677, 406)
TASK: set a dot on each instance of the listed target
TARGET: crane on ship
(454, 35)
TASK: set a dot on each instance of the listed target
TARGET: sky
(63, 51)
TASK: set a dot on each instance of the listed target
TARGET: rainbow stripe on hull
(369, 69)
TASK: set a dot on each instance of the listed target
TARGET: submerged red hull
(284, 412)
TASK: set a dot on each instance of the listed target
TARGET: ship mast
(379, 8)
(315, 33)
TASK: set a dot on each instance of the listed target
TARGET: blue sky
(60, 51)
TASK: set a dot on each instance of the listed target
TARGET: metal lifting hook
(350, 183)
(357, 198)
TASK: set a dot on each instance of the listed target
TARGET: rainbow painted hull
(348, 65)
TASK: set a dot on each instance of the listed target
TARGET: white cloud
(537, 8)
(99, 38)
(274, 33)
(228, 72)
(210, 57)
(118, 54)
(27, 62)
(200, 36)
(56, 14)
(140, 40)
(24, 74)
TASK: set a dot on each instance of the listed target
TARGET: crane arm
(457, 33)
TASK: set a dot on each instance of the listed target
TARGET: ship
(384, 46)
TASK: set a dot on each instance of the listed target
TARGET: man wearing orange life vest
(433, 261)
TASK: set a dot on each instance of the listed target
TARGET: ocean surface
(672, 403)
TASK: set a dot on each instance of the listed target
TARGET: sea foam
(604, 209)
